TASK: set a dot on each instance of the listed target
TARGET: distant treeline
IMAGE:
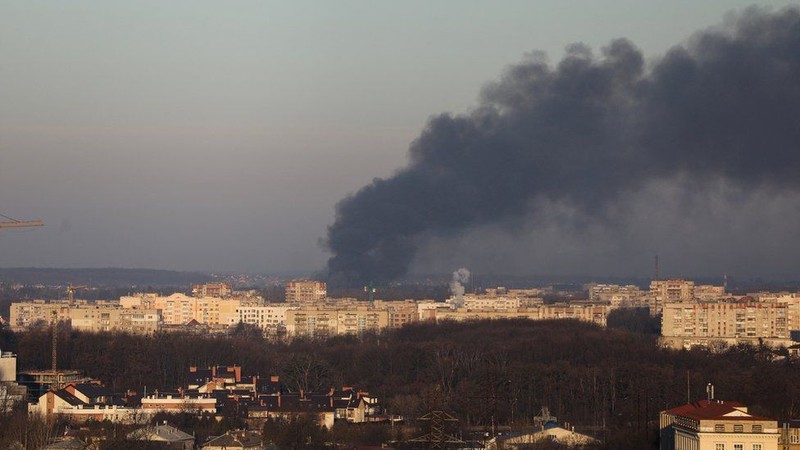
(612, 381)
(103, 277)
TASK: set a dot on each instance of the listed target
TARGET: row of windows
(720, 446)
(738, 428)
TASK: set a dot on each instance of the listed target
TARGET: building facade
(716, 425)
(684, 325)
(305, 291)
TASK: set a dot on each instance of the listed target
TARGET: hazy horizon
(199, 136)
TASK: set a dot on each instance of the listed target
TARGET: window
(719, 447)
(738, 429)
(757, 428)
(756, 446)
(795, 439)
(738, 446)
(719, 428)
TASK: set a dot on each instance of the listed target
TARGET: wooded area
(612, 382)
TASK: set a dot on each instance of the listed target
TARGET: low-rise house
(286, 406)
(235, 440)
(173, 438)
(64, 404)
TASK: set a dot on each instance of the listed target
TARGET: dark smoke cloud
(586, 133)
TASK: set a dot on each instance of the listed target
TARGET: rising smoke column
(584, 132)
(460, 277)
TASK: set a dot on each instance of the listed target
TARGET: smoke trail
(586, 132)
(460, 277)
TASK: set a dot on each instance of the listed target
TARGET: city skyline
(219, 139)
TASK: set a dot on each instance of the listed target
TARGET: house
(716, 425)
(173, 438)
(79, 409)
(235, 440)
(90, 393)
(286, 406)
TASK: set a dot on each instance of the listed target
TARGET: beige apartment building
(684, 325)
(481, 302)
(326, 321)
(212, 290)
(180, 309)
(24, 314)
(583, 312)
(716, 425)
(305, 291)
(265, 317)
(669, 291)
(114, 318)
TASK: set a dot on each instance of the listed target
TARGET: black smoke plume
(725, 105)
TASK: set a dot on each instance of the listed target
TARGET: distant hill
(103, 277)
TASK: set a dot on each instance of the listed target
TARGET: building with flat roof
(685, 325)
(300, 291)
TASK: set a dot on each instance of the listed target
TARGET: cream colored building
(300, 291)
(716, 425)
(684, 325)
(24, 314)
(482, 303)
(583, 312)
(669, 291)
(616, 295)
(114, 318)
(179, 309)
(264, 317)
(326, 321)
(212, 290)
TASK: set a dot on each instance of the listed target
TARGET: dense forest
(610, 381)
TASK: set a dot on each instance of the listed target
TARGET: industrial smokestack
(584, 133)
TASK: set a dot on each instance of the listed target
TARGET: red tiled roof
(716, 409)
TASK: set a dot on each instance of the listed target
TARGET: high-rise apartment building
(669, 291)
(684, 325)
(305, 291)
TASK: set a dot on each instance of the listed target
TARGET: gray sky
(219, 135)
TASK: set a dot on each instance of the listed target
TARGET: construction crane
(14, 223)
(71, 292)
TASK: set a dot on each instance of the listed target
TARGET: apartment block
(115, 318)
(305, 291)
(179, 309)
(264, 317)
(583, 312)
(684, 325)
(669, 291)
(326, 321)
(218, 290)
(616, 295)
(25, 314)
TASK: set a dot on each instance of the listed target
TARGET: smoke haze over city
(591, 146)
(203, 139)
